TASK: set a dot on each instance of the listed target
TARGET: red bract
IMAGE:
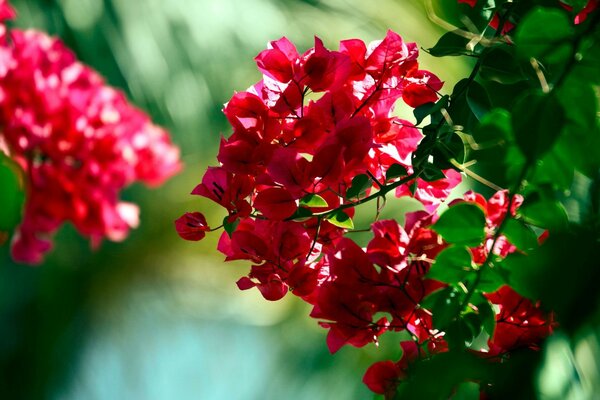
(520, 323)
(78, 141)
(191, 226)
(285, 172)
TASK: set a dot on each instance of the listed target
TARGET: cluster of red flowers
(288, 179)
(520, 323)
(77, 140)
(284, 149)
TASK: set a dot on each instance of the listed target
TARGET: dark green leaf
(467, 391)
(426, 109)
(451, 265)
(12, 194)
(543, 212)
(579, 102)
(302, 213)
(360, 183)
(499, 64)
(451, 44)
(495, 129)
(478, 100)
(341, 220)
(230, 227)
(313, 200)
(395, 171)
(462, 223)
(538, 119)
(556, 168)
(458, 333)
(447, 308)
(519, 234)
(544, 34)
(490, 280)
(486, 313)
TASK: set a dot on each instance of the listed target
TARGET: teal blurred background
(156, 317)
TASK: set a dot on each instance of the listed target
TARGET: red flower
(191, 226)
(78, 141)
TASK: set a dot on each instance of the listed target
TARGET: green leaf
(446, 308)
(458, 333)
(519, 234)
(467, 391)
(538, 120)
(579, 101)
(462, 223)
(359, 184)
(500, 65)
(430, 108)
(478, 100)
(544, 34)
(313, 200)
(12, 194)
(451, 265)
(543, 212)
(486, 312)
(489, 280)
(230, 227)
(395, 171)
(495, 128)
(301, 214)
(341, 220)
(451, 44)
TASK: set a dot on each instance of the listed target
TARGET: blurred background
(156, 317)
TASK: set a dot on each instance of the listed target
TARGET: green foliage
(341, 220)
(12, 195)
(463, 224)
(451, 265)
(313, 200)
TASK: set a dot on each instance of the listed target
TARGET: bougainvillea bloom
(294, 169)
(78, 141)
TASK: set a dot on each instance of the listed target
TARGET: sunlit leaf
(341, 220)
(463, 223)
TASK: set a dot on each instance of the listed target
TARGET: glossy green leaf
(446, 308)
(478, 100)
(313, 200)
(301, 214)
(451, 265)
(486, 312)
(451, 44)
(544, 34)
(12, 194)
(395, 171)
(538, 120)
(341, 220)
(462, 223)
(230, 227)
(490, 280)
(359, 184)
(499, 64)
(427, 109)
(520, 235)
(543, 212)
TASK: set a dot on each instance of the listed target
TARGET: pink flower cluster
(78, 141)
(287, 179)
(285, 147)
